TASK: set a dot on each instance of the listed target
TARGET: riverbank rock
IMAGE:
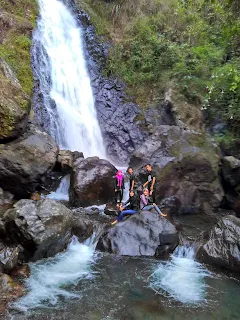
(231, 170)
(5, 197)
(111, 209)
(92, 182)
(14, 104)
(25, 161)
(43, 228)
(140, 235)
(88, 225)
(186, 166)
(222, 244)
(9, 291)
(8, 256)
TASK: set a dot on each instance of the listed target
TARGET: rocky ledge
(140, 235)
(221, 245)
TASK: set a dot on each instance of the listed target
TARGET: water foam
(60, 67)
(62, 191)
(50, 277)
(182, 278)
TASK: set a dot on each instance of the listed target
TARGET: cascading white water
(181, 277)
(70, 102)
(50, 277)
(62, 191)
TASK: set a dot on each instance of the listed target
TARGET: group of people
(147, 199)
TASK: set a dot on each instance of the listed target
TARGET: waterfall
(62, 191)
(182, 278)
(61, 72)
(50, 277)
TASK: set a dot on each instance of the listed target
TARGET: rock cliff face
(186, 166)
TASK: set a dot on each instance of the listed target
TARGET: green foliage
(16, 44)
(192, 45)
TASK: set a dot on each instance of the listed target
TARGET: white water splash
(182, 277)
(70, 102)
(62, 191)
(50, 277)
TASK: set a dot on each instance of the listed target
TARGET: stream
(84, 284)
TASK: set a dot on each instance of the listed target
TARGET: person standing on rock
(131, 179)
(119, 187)
(146, 203)
(131, 206)
(150, 183)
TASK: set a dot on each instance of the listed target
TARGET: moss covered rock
(17, 21)
(186, 166)
(14, 104)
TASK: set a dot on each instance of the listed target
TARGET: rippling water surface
(81, 284)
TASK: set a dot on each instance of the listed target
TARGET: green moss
(99, 13)
(15, 49)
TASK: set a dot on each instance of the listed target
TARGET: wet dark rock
(140, 235)
(222, 244)
(170, 205)
(6, 200)
(43, 228)
(231, 149)
(21, 272)
(237, 206)
(231, 171)
(9, 291)
(85, 224)
(186, 166)
(5, 197)
(111, 209)
(25, 161)
(92, 182)
(8, 256)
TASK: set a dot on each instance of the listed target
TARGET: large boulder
(186, 166)
(43, 227)
(92, 182)
(140, 235)
(222, 244)
(231, 170)
(26, 160)
(14, 104)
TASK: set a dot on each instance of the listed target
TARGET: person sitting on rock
(131, 206)
(131, 178)
(119, 187)
(150, 183)
(146, 203)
